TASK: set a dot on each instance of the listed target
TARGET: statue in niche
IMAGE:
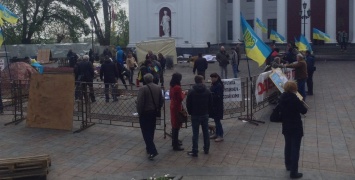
(165, 23)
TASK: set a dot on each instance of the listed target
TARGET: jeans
(131, 75)
(235, 70)
(292, 152)
(196, 121)
(343, 45)
(301, 83)
(113, 91)
(224, 72)
(310, 82)
(219, 128)
(147, 123)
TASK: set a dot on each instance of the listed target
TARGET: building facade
(198, 23)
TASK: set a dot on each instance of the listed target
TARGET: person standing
(85, 72)
(162, 62)
(199, 104)
(217, 90)
(223, 60)
(291, 107)
(300, 74)
(109, 74)
(149, 102)
(120, 56)
(235, 62)
(176, 98)
(131, 64)
(344, 40)
(200, 65)
(237, 49)
(91, 56)
(310, 70)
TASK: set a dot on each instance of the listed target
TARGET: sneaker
(190, 153)
(151, 156)
(107, 100)
(213, 136)
(218, 139)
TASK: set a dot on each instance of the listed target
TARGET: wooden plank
(51, 101)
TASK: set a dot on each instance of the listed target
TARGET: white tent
(165, 46)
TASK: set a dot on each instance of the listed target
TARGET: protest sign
(232, 90)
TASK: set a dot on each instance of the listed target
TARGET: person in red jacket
(176, 98)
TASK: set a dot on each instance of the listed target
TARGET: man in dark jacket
(200, 65)
(310, 70)
(149, 102)
(199, 104)
(223, 60)
(300, 74)
(85, 72)
(109, 74)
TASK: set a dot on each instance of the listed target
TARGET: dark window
(230, 30)
(271, 25)
(272, 0)
(230, 1)
(250, 0)
(251, 23)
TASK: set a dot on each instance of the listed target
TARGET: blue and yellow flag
(277, 37)
(317, 34)
(255, 48)
(1, 38)
(296, 42)
(7, 15)
(260, 25)
(304, 44)
(1, 22)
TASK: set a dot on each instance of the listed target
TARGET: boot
(175, 140)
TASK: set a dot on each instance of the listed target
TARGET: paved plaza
(248, 151)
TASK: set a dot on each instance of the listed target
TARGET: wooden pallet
(25, 167)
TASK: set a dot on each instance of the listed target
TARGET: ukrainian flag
(304, 44)
(1, 38)
(260, 25)
(317, 34)
(255, 48)
(296, 42)
(277, 37)
(1, 22)
(7, 15)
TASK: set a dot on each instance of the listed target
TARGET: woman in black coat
(217, 90)
(291, 107)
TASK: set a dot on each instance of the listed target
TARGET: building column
(330, 19)
(308, 21)
(258, 14)
(282, 18)
(236, 21)
(352, 18)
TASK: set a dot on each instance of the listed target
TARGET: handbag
(157, 109)
(276, 114)
(182, 116)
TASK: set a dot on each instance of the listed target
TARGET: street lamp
(92, 35)
(303, 15)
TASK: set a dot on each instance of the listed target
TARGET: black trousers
(84, 87)
(201, 73)
(343, 45)
(310, 82)
(147, 122)
(292, 152)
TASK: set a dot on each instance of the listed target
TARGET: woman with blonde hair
(291, 107)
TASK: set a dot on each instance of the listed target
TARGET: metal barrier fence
(123, 111)
(14, 97)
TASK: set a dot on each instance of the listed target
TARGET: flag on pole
(1, 38)
(260, 25)
(7, 15)
(277, 37)
(317, 34)
(1, 22)
(255, 48)
(304, 45)
(296, 42)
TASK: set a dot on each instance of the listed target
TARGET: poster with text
(232, 90)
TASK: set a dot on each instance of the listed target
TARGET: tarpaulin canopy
(164, 46)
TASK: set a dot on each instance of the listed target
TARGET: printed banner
(264, 87)
(232, 90)
(279, 79)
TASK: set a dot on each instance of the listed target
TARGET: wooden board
(44, 55)
(51, 101)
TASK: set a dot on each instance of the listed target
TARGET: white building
(194, 23)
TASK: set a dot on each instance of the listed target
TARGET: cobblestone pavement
(248, 151)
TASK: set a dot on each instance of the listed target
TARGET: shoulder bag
(157, 109)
